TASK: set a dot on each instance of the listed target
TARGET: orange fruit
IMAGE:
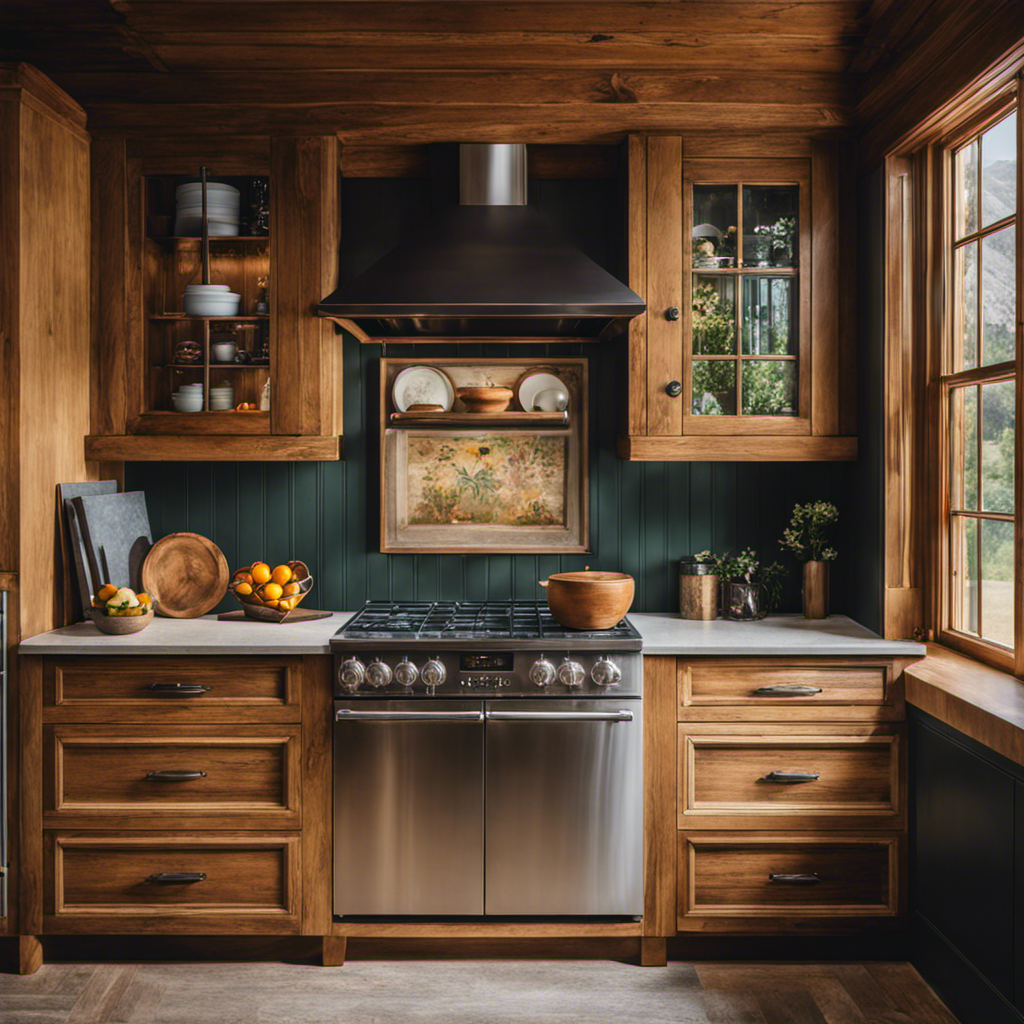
(271, 591)
(271, 604)
(106, 592)
(290, 588)
(281, 574)
(286, 604)
(260, 572)
(243, 588)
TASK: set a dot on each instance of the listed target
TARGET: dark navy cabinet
(966, 871)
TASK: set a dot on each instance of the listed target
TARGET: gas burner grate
(439, 620)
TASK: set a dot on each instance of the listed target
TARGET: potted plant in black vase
(750, 590)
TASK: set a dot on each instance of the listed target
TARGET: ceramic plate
(534, 383)
(422, 385)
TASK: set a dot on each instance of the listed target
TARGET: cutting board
(186, 574)
(115, 536)
(72, 548)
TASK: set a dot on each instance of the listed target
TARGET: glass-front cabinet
(735, 255)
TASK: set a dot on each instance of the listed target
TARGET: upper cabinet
(744, 352)
(171, 372)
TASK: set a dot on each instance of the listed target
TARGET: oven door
(564, 807)
(408, 807)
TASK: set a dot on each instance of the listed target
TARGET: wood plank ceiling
(392, 72)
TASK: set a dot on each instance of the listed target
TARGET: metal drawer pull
(786, 690)
(345, 715)
(560, 716)
(791, 777)
(177, 877)
(808, 878)
(175, 775)
(178, 689)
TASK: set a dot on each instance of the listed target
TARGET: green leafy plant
(809, 531)
(746, 567)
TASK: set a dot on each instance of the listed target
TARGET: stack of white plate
(222, 397)
(222, 203)
(188, 398)
(210, 300)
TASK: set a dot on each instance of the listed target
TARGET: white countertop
(663, 633)
(788, 634)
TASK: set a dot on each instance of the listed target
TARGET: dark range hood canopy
(487, 268)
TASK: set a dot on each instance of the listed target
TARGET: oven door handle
(347, 715)
(560, 716)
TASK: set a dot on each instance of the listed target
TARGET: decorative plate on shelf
(422, 385)
(532, 383)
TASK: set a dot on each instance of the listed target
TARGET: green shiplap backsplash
(643, 516)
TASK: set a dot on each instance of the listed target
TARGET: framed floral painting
(493, 490)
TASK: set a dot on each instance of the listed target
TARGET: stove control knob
(406, 673)
(542, 672)
(351, 674)
(378, 674)
(605, 672)
(433, 673)
(570, 673)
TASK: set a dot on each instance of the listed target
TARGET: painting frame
(556, 458)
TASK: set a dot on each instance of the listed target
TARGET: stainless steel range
(487, 762)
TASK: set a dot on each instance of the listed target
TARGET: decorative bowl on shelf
(485, 399)
(271, 594)
(218, 302)
(120, 625)
(223, 351)
(425, 407)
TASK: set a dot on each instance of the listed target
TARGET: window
(978, 391)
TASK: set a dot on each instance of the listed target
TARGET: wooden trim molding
(726, 448)
(981, 702)
(211, 448)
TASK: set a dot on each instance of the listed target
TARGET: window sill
(981, 702)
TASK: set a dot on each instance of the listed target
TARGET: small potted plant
(750, 590)
(808, 536)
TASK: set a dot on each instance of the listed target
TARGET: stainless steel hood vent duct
(487, 268)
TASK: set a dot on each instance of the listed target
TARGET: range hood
(487, 268)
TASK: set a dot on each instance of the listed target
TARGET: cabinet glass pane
(714, 315)
(770, 225)
(769, 316)
(998, 296)
(963, 449)
(997, 440)
(714, 387)
(999, 171)
(966, 190)
(965, 281)
(997, 581)
(769, 387)
(714, 225)
(963, 537)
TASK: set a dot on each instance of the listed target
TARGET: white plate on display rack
(534, 384)
(422, 385)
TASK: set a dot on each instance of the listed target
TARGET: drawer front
(200, 777)
(740, 876)
(770, 776)
(774, 690)
(172, 883)
(171, 689)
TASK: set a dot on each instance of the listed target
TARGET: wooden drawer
(745, 775)
(738, 881)
(775, 689)
(98, 776)
(210, 689)
(226, 882)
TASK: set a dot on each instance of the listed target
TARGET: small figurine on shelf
(187, 353)
(259, 207)
(265, 397)
(261, 357)
(262, 302)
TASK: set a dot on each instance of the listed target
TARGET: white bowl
(225, 304)
(203, 289)
(223, 351)
(186, 404)
(192, 187)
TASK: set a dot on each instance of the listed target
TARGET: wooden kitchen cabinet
(140, 270)
(744, 352)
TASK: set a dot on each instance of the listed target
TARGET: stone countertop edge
(663, 633)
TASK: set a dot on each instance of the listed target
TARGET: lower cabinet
(967, 872)
(790, 795)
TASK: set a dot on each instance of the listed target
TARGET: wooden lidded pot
(589, 599)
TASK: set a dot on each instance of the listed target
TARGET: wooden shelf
(211, 447)
(214, 367)
(738, 448)
(254, 317)
(194, 241)
(511, 418)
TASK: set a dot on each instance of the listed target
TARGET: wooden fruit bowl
(120, 625)
(589, 600)
(256, 607)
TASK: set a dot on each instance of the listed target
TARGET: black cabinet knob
(672, 313)
(673, 389)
